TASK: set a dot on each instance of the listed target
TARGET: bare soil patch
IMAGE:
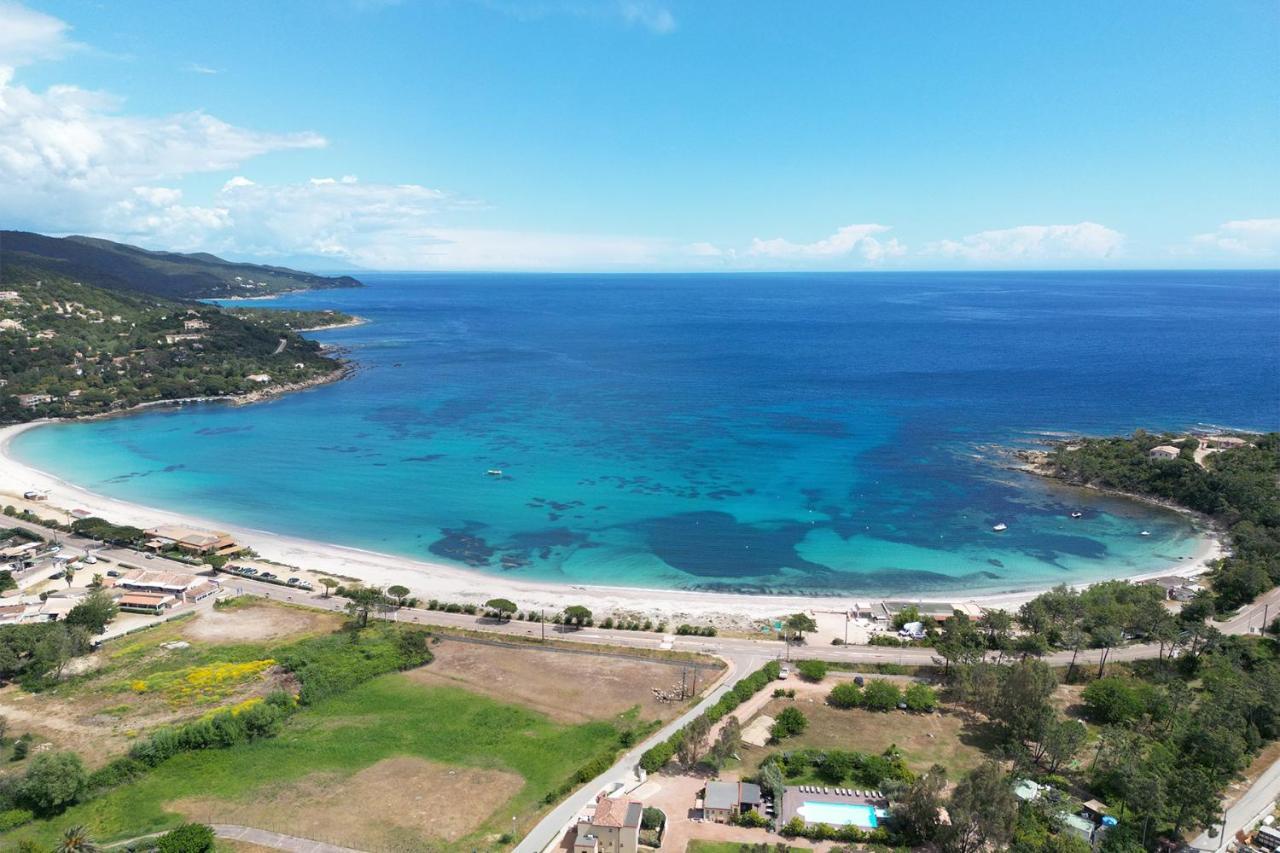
(256, 622)
(397, 804)
(570, 688)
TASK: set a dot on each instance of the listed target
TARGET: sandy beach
(452, 583)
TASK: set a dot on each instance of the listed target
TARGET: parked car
(112, 573)
(294, 581)
(268, 576)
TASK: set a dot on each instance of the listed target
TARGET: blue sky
(630, 134)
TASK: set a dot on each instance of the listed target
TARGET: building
(194, 325)
(611, 825)
(1224, 442)
(1080, 827)
(146, 602)
(260, 378)
(723, 801)
(182, 336)
(9, 296)
(174, 585)
(202, 542)
(1164, 451)
(30, 401)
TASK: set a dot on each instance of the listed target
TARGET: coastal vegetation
(1238, 487)
(72, 349)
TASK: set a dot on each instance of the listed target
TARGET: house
(191, 541)
(1081, 827)
(10, 325)
(194, 325)
(1266, 837)
(178, 586)
(9, 296)
(146, 602)
(1164, 451)
(723, 801)
(1028, 790)
(183, 336)
(258, 377)
(610, 825)
(1224, 442)
(30, 401)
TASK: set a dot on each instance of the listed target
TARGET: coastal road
(1248, 620)
(1255, 804)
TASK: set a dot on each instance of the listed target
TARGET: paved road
(1256, 803)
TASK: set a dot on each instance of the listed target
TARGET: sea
(842, 434)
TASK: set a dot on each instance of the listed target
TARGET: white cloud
(1082, 241)
(67, 153)
(27, 35)
(850, 240)
(197, 68)
(648, 15)
(1249, 237)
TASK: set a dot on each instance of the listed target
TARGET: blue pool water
(764, 433)
(839, 814)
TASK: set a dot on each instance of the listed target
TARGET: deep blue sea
(800, 432)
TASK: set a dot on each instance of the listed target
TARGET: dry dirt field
(568, 688)
(251, 623)
(393, 805)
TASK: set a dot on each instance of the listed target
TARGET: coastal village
(856, 682)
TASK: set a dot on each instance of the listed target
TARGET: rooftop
(617, 812)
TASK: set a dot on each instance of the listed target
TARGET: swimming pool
(839, 814)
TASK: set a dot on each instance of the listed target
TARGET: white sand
(450, 583)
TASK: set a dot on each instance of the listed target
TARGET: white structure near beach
(1164, 451)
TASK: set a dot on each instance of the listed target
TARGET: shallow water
(818, 433)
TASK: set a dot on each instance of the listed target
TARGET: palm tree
(76, 840)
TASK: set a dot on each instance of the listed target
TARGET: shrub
(846, 694)
(881, 696)
(53, 781)
(335, 663)
(1114, 700)
(13, 818)
(187, 838)
(812, 670)
(752, 818)
(791, 721)
(921, 697)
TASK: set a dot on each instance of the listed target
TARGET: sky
(622, 135)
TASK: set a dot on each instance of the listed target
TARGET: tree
(790, 721)
(812, 670)
(837, 767)
(399, 593)
(652, 818)
(906, 616)
(329, 584)
(187, 838)
(1060, 742)
(798, 623)
(1105, 637)
(960, 642)
(1114, 700)
(577, 614)
(983, 811)
(93, 612)
(504, 607)
(881, 695)
(694, 740)
(727, 742)
(918, 810)
(53, 781)
(362, 599)
(76, 840)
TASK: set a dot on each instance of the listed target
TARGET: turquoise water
(759, 433)
(839, 814)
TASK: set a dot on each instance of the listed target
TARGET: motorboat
(1000, 527)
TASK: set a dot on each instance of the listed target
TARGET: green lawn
(389, 716)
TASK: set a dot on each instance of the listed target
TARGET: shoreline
(446, 582)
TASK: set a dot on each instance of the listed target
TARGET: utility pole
(846, 627)
(542, 619)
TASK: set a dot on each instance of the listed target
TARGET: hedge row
(655, 758)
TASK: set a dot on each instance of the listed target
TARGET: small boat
(1000, 527)
(1077, 514)
(1145, 533)
(494, 472)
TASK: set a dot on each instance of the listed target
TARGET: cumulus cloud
(648, 15)
(849, 241)
(67, 153)
(1082, 241)
(27, 35)
(1248, 237)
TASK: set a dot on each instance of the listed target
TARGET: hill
(70, 349)
(120, 267)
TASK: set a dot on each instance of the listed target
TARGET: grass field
(321, 759)
(925, 739)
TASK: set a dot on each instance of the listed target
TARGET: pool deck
(794, 797)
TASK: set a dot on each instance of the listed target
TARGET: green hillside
(116, 266)
(71, 349)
